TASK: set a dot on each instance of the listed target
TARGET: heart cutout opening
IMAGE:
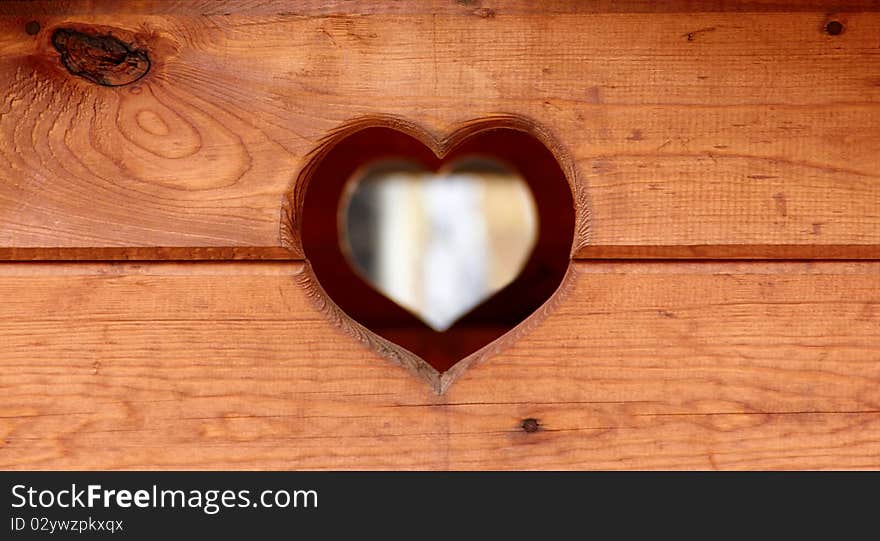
(316, 219)
(438, 243)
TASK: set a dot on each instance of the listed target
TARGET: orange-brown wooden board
(637, 365)
(682, 128)
(482, 8)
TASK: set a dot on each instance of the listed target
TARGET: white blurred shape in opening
(439, 244)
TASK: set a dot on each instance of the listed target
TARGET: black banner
(151, 505)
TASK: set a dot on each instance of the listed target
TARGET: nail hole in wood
(834, 28)
(32, 28)
(530, 425)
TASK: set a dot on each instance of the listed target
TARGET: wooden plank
(362, 7)
(638, 365)
(750, 252)
(182, 253)
(708, 127)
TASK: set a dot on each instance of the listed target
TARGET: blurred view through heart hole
(439, 255)
(438, 243)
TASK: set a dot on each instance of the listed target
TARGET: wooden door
(717, 304)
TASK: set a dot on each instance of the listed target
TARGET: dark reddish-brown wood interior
(538, 280)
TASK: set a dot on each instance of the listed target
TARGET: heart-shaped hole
(374, 150)
(438, 244)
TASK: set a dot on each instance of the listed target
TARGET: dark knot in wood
(104, 60)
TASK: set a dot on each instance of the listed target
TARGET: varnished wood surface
(743, 252)
(640, 365)
(690, 131)
(455, 7)
(683, 128)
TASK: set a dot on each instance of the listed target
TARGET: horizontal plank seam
(716, 252)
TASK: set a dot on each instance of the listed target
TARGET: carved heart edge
(291, 234)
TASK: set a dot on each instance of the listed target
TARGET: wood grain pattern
(749, 252)
(693, 134)
(643, 365)
(446, 7)
(680, 134)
